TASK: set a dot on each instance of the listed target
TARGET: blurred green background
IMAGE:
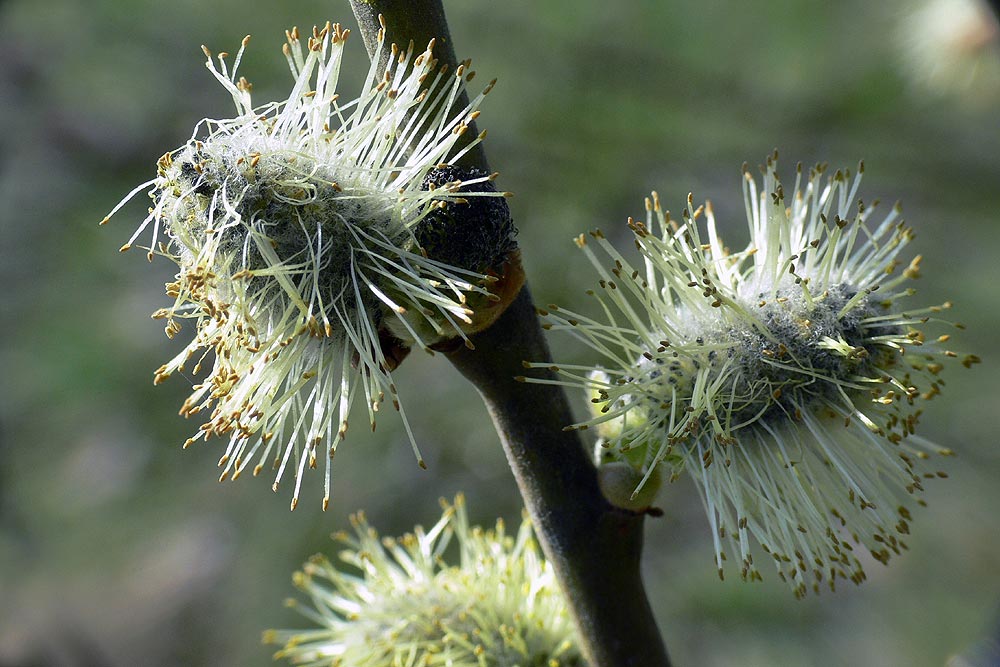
(117, 548)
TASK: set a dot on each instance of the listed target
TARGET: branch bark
(594, 547)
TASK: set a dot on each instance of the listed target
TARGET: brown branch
(594, 547)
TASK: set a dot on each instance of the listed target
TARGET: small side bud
(623, 486)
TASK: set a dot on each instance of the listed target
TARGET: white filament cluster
(292, 225)
(784, 378)
(499, 606)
